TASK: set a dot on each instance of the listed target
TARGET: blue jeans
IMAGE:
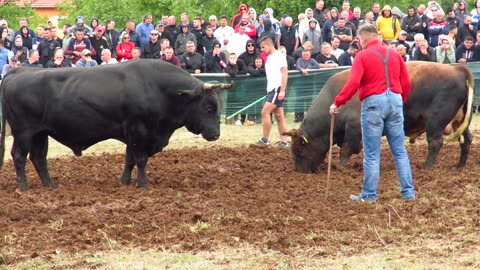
(384, 113)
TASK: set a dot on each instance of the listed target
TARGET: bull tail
(3, 130)
(468, 114)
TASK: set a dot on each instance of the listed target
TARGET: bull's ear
(189, 93)
(292, 133)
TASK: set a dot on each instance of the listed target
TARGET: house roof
(36, 3)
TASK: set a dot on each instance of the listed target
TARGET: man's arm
(284, 70)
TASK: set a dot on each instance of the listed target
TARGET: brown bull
(440, 103)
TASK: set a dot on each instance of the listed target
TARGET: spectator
(125, 48)
(314, 36)
(20, 51)
(461, 12)
(238, 41)
(213, 23)
(207, 40)
(58, 60)
(136, 53)
(93, 24)
(336, 51)
(402, 39)
(199, 33)
(445, 53)
(47, 47)
(357, 19)
(424, 52)
(39, 38)
(257, 68)
(306, 62)
(6, 42)
(111, 34)
(77, 45)
(99, 42)
(325, 59)
(466, 30)
(242, 8)
(26, 38)
(32, 61)
(152, 48)
(437, 26)
(466, 52)
(183, 38)
(252, 14)
(164, 43)
(192, 61)
(388, 25)
(79, 25)
(215, 59)
(107, 58)
(86, 60)
(376, 11)
(24, 23)
(347, 57)
(163, 33)
(451, 18)
(223, 33)
(172, 28)
(328, 26)
(143, 30)
(475, 13)
(402, 50)
(291, 64)
(298, 52)
(343, 33)
(411, 23)
(318, 12)
(130, 29)
(14, 63)
(288, 36)
(250, 29)
(5, 55)
(170, 57)
(186, 21)
(55, 36)
(235, 66)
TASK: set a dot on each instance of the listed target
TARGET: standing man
(382, 95)
(143, 29)
(47, 47)
(277, 77)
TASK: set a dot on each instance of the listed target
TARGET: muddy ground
(203, 199)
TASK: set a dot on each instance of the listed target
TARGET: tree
(11, 11)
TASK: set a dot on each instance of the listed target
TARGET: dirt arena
(203, 199)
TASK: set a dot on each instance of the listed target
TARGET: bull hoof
(125, 181)
(51, 185)
(23, 187)
(142, 184)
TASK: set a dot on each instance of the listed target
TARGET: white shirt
(223, 33)
(275, 62)
(337, 52)
(238, 43)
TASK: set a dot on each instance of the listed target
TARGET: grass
(420, 254)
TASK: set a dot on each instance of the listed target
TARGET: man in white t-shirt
(277, 77)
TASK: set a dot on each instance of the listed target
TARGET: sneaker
(409, 199)
(262, 143)
(248, 123)
(238, 123)
(357, 198)
(281, 145)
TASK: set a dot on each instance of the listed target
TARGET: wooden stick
(381, 240)
(332, 121)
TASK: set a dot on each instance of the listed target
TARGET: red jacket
(124, 51)
(368, 75)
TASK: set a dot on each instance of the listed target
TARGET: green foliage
(11, 12)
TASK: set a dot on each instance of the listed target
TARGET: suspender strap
(385, 64)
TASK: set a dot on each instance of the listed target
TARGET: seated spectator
(170, 57)
(86, 60)
(424, 52)
(136, 53)
(107, 57)
(33, 58)
(325, 59)
(251, 52)
(306, 62)
(402, 40)
(445, 53)
(58, 60)
(14, 63)
(403, 53)
(192, 61)
(466, 52)
(298, 52)
(124, 48)
(215, 60)
(346, 59)
(336, 51)
(235, 66)
(257, 68)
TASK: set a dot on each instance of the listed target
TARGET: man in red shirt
(381, 77)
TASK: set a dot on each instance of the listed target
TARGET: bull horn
(226, 85)
(292, 132)
(210, 86)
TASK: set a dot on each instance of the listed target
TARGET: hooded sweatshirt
(313, 35)
(386, 26)
(268, 32)
(238, 17)
(217, 63)
(249, 58)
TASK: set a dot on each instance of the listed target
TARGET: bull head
(210, 86)
(296, 133)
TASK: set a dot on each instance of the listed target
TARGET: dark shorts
(272, 97)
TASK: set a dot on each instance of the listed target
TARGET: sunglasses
(126, 37)
(434, 9)
(153, 34)
(88, 55)
(250, 45)
(243, 9)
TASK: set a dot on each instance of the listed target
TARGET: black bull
(140, 103)
(439, 103)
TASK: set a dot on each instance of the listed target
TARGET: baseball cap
(14, 58)
(99, 29)
(403, 32)
(159, 23)
(86, 51)
(2, 22)
(154, 32)
(284, 15)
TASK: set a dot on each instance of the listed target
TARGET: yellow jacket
(384, 26)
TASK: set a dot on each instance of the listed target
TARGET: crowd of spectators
(321, 38)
